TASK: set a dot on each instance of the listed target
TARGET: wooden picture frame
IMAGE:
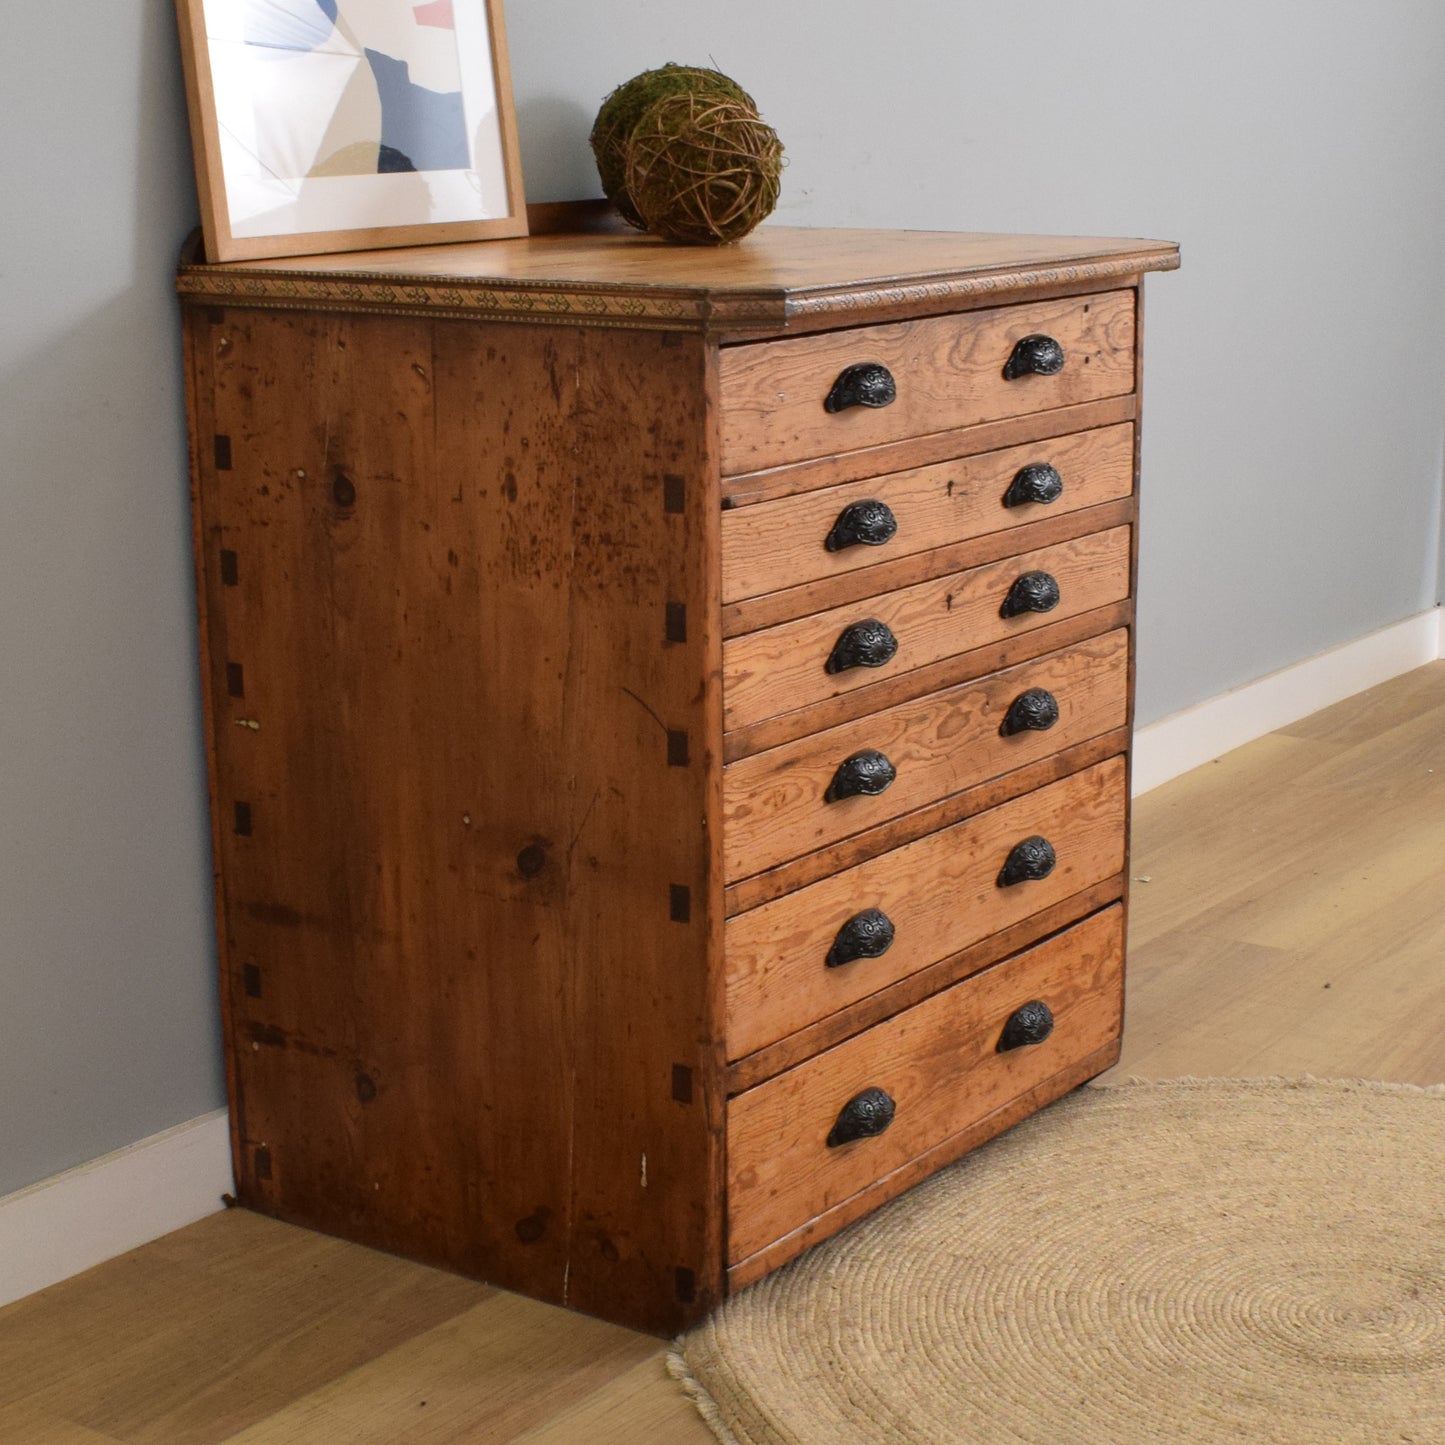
(343, 125)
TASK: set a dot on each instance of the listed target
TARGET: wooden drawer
(948, 372)
(778, 669)
(775, 803)
(774, 545)
(940, 1064)
(941, 894)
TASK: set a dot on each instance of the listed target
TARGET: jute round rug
(1193, 1261)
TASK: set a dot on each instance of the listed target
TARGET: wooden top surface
(778, 276)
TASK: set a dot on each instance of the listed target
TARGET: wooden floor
(1287, 919)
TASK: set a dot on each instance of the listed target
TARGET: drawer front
(946, 371)
(940, 1065)
(778, 669)
(804, 796)
(939, 895)
(774, 545)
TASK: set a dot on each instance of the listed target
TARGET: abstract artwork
(333, 124)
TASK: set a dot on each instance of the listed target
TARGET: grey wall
(1294, 413)
(107, 1004)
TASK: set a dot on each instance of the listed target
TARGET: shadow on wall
(556, 158)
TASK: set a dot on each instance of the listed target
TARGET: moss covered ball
(622, 110)
(702, 168)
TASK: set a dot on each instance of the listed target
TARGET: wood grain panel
(938, 1062)
(773, 802)
(780, 669)
(781, 544)
(941, 894)
(769, 485)
(948, 371)
(797, 873)
(796, 1048)
(780, 278)
(467, 792)
(756, 613)
(890, 1185)
(948, 672)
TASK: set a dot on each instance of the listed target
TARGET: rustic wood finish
(773, 802)
(781, 544)
(781, 668)
(494, 867)
(945, 446)
(941, 894)
(891, 576)
(779, 278)
(963, 667)
(880, 1191)
(810, 867)
(441, 898)
(948, 370)
(940, 1063)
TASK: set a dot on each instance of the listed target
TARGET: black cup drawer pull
(1028, 862)
(1032, 592)
(863, 1116)
(1036, 355)
(1037, 482)
(869, 383)
(1031, 1024)
(869, 643)
(1034, 711)
(864, 524)
(866, 935)
(865, 774)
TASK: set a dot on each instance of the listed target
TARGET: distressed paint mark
(248, 722)
(644, 1169)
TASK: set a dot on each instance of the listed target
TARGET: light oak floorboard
(1286, 913)
(1290, 923)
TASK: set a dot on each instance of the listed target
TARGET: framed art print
(341, 125)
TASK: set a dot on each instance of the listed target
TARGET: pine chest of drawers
(668, 721)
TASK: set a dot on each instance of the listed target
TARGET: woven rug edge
(697, 1392)
(1275, 1081)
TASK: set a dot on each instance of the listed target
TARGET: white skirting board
(1184, 740)
(66, 1224)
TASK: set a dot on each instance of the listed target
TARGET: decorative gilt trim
(445, 297)
(640, 307)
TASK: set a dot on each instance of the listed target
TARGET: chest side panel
(455, 578)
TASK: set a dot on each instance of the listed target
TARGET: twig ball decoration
(629, 103)
(703, 168)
